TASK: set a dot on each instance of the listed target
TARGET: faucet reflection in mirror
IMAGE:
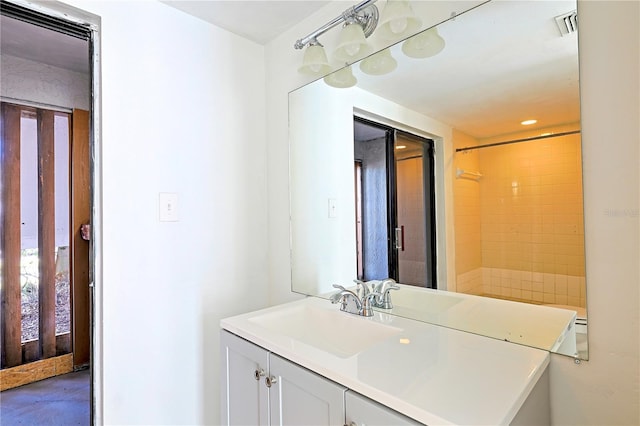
(368, 295)
(397, 21)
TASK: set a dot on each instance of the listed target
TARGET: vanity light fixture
(315, 60)
(424, 45)
(379, 63)
(359, 23)
(528, 122)
(398, 20)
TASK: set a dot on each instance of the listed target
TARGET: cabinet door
(362, 411)
(244, 399)
(300, 397)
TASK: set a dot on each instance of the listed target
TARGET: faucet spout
(349, 301)
(368, 303)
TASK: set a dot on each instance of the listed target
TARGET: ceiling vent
(567, 23)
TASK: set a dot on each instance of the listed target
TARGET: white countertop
(544, 327)
(432, 374)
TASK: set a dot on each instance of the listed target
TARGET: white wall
(183, 110)
(603, 390)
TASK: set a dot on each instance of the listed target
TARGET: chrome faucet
(367, 307)
(384, 289)
(364, 288)
(351, 303)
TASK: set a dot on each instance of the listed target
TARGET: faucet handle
(349, 301)
(381, 285)
(336, 297)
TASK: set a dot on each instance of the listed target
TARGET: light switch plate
(168, 207)
(333, 208)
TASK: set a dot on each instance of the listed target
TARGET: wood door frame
(80, 209)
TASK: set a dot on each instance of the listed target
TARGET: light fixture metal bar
(350, 12)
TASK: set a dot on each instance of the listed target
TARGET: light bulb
(352, 49)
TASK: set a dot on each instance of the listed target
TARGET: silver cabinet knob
(270, 380)
(258, 373)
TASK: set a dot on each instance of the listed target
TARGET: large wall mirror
(458, 171)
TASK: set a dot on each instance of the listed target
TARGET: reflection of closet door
(395, 214)
(411, 221)
(411, 210)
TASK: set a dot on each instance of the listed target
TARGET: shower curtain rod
(555, 135)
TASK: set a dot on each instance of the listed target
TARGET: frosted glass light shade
(379, 64)
(352, 44)
(341, 79)
(397, 20)
(315, 61)
(427, 43)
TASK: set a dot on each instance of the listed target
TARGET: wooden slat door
(80, 249)
(46, 234)
(10, 237)
(47, 345)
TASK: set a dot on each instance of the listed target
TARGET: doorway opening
(395, 205)
(49, 169)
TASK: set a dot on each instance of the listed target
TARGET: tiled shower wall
(530, 222)
(527, 286)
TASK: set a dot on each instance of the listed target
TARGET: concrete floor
(61, 400)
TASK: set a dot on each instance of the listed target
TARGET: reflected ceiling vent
(568, 23)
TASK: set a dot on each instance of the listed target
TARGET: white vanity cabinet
(329, 367)
(261, 388)
(244, 394)
(300, 397)
(362, 411)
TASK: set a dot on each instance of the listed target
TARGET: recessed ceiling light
(401, 146)
(528, 122)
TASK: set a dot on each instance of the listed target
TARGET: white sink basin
(333, 331)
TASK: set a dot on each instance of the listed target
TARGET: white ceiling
(503, 62)
(514, 76)
(259, 21)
